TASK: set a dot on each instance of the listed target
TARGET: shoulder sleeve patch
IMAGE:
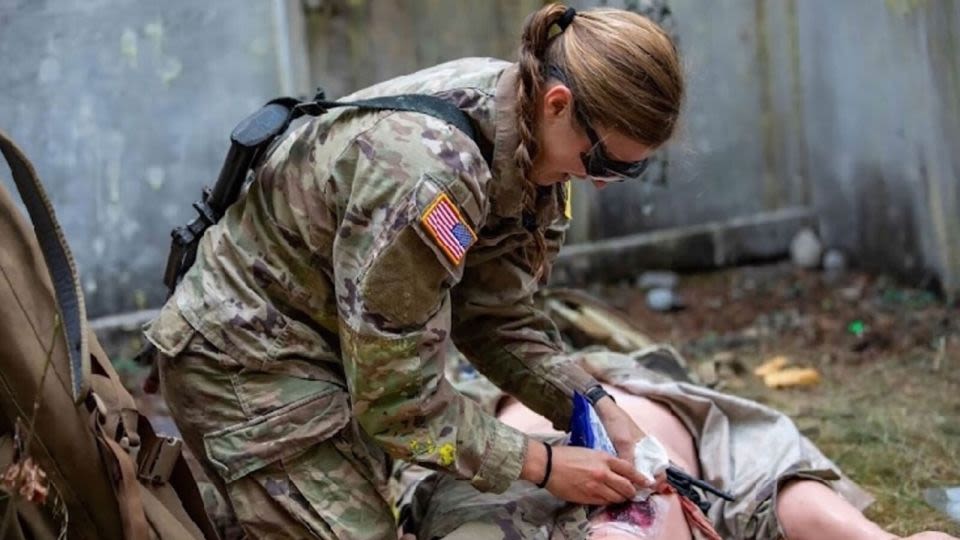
(449, 231)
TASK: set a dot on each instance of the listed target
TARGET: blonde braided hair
(623, 69)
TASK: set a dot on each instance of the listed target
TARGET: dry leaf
(772, 365)
(792, 377)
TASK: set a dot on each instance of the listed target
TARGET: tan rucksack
(77, 459)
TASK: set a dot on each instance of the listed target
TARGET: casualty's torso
(264, 284)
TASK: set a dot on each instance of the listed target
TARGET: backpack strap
(60, 263)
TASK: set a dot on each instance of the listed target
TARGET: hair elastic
(566, 18)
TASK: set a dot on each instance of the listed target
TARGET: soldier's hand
(584, 476)
(593, 477)
(624, 433)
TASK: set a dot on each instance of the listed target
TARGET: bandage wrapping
(651, 460)
(586, 429)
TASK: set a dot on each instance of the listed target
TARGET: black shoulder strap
(420, 103)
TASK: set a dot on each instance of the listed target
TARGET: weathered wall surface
(851, 108)
(881, 121)
(126, 107)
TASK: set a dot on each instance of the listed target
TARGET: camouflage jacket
(366, 243)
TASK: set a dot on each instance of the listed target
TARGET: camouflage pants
(279, 445)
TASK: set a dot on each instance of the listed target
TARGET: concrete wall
(881, 121)
(125, 107)
(848, 107)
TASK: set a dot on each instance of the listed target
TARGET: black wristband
(595, 394)
(546, 475)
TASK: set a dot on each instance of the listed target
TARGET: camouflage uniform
(306, 346)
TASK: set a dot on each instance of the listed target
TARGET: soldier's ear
(557, 102)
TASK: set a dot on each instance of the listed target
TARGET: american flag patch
(448, 228)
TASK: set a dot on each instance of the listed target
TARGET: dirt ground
(887, 409)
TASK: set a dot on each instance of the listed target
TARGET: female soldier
(305, 348)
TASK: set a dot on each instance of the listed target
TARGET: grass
(884, 412)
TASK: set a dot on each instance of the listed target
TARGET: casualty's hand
(624, 433)
(581, 475)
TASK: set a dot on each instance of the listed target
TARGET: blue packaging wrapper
(586, 429)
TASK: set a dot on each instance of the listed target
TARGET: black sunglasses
(597, 163)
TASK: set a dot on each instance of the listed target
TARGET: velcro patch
(442, 219)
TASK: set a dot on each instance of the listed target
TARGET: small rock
(834, 261)
(852, 293)
(805, 249)
(724, 357)
(713, 302)
(657, 280)
(944, 499)
(751, 334)
(661, 299)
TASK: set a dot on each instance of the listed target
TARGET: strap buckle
(158, 461)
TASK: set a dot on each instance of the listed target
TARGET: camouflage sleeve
(392, 281)
(512, 342)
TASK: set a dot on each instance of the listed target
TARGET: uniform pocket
(241, 449)
(170, 332)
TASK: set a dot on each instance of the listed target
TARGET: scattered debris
(658, 280)
(781, 320)
(594, 319)
(834, 262)
(940, 354)
(661, 299)
(805, 249)
(792, 377)
(713, 302)
(909, 298)
(723, 369)
(728, 365)
(776, 373)
(857, 328)
(945, 499)
(852, 293)
(771, 366)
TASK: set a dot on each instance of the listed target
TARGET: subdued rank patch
(448, 228)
